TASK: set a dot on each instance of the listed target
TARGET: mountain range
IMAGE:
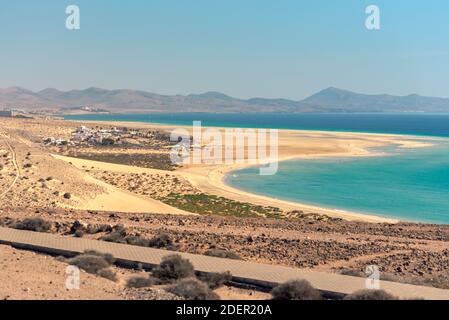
(328, 100)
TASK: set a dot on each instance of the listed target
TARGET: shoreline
(215, 183)
(211, 178)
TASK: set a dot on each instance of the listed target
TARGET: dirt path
(16, 167)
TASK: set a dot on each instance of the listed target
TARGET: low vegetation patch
(142, 282)
(173, 267)
(193, 289)
(32, 224)
(95, 263)
(296, 290)
(161, 241)
(137, 241)
(370, 295)
(160, 161)
(216, 280)
(117, 235)
(214, 205)
(107, 274)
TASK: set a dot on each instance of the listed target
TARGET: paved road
(246, 272)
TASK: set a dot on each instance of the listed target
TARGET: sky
(252, 48)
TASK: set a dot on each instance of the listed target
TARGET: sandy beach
(293, 144)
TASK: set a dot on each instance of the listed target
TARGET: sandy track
(16, 167)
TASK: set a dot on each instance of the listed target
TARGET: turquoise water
(411, 185)
(407, 184)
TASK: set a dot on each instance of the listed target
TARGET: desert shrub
(107, 256)
(107, 274)
(61, 259)
(33, 224)
(78, 226)
(370, 295)
(161, 241)
(67, 196)
(222, 253)
(91, 262)
(114, 236)
(119, 228)
(79, 233)
(295, 290)
(173, 267)
(137, 241)
(142, 282)
(93, 229)
(216, 280)
(119, 235)
(6, 222)
(193, 289)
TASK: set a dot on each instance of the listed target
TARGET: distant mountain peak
(334, 90)
(15, 90)
(95, 89)
(213, 95)
(49, 90)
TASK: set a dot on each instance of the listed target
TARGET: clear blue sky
(245, 48)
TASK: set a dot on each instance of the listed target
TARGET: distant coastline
(211, 179)
(412, 124)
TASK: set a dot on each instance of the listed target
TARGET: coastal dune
(115, 199)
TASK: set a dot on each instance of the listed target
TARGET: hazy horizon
(219, 92)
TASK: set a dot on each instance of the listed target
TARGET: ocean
(414, 124)
(409, 184)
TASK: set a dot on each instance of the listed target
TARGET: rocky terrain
(28, 275)
(405, 252)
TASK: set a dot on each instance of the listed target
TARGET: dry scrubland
(97, 194)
